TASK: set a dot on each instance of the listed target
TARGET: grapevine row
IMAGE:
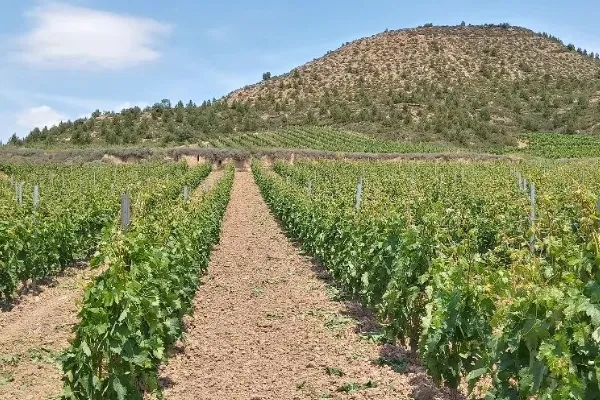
(442, 253)
(133, 311)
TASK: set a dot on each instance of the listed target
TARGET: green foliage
(442, 253)
(14, 140)
(133, 312)
(332, 371)
(552, 145)
(77, 204)
(322, 138)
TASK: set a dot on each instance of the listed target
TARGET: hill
(473, 86)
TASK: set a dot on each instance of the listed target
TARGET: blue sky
(62, 60)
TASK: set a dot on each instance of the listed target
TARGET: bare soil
(34, 332)
(193, 161)
(208, 183)
(266, 325)
(110, 159)
(212, 178)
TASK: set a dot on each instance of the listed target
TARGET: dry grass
(393, 59)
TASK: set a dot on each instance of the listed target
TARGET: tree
(117, 131)
(112, 137)
(14, 140)
(35, 133)
(485, 114)
(130, 136)
(183, 133)
(463, 23)
(166, 103)
(143, 129)
(266, 76)
(80, 137)
(179, 114)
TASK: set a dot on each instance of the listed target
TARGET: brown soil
(34, 332)
(193, 161)
(213, 178)
(267, 162)
(264, 326)
(208, 183)
(110, 159)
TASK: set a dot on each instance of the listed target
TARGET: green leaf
(119, 389)
(86, 349)
(159, 352)
(476, 374)
(596, 335)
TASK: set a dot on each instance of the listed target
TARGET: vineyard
(133, 312)
(74, 207)
(487, 270)
(495, 285)
(413, 214)
(54, 217)
(559, 146)
(319, 138)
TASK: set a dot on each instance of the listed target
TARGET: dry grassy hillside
(443, 56)
(457, 83)
(473, 86)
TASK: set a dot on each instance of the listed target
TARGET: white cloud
(75, 38)
(39, 117)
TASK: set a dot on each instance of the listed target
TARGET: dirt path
(207, 183)
(34, 332)
(266, 326)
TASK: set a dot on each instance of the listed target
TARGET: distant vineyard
(555, 145)
(316, 138)
(493, 281)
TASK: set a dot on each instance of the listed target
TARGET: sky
(63, 60)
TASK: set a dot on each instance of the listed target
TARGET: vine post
(359, 190)
(125, 211)
(36, 196)
(532, 216)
